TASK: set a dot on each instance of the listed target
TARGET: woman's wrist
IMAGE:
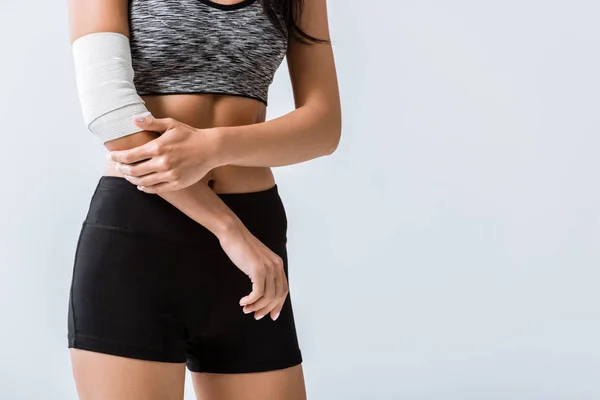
(228, 227)
(223, 150)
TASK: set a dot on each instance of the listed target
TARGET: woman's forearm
(306, 133)
(203, 205)
(197, 201)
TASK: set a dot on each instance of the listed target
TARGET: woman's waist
(225, 179)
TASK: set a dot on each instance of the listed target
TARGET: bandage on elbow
(105, 85)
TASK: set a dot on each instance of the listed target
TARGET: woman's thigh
(101, 376)
(282, 384)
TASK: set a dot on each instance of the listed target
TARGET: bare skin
(101, 377)
(207, 111)
(237, 149)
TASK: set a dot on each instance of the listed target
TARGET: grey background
(448, 250)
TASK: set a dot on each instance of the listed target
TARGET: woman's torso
(206, 111)
(207, 65)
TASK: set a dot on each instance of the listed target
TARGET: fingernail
(118, 166)
(139, 118)
(140, 188)
(258, 317)
(276, 316)
(246, 311)
(109, 156)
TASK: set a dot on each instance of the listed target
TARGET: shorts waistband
(118, 204)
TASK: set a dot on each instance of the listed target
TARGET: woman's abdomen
(207, 111)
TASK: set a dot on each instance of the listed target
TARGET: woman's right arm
(198, 201)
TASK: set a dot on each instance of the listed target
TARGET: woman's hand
(263, 267)
(178, 158)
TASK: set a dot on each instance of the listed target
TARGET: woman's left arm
(313, 129)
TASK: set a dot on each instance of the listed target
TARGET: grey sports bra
(198, 46)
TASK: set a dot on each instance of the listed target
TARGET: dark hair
(291, 13)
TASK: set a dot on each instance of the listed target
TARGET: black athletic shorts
(150, 283)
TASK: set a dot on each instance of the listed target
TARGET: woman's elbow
(328, 121)
(334, 134)
(333, 142)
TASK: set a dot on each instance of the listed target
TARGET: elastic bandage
(105, 85)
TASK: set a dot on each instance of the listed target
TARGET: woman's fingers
(149, 123)
(267, 309)
(153, 148)
(258, 289)
(150, 180)
(273, 308)
(276, 311)
(153, 183)
(141, 168)
(264, 301)
(271, 305)
(140, 153)
(158, 188)
(277, 298)
(280, 284)
(281, 296)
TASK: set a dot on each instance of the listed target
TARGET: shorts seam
(115, 228)
(90, 343)
(74, 337)
(72, 300)
(250, 366)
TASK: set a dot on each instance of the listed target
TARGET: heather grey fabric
(197, 46)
